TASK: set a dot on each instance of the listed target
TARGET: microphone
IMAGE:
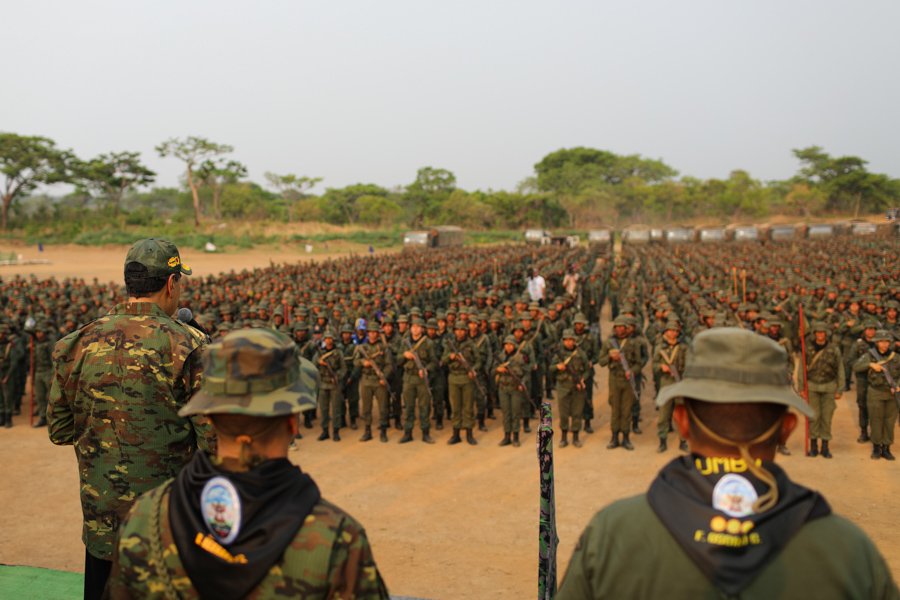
(186, 316)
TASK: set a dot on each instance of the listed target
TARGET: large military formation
(472, 339)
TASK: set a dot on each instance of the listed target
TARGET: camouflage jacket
(330, 557)
(671, 356)
(117, 387)
(425, 349)
(824, 367)
(330, 376)
(578, 367)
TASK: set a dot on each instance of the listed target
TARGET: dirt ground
(444, 521)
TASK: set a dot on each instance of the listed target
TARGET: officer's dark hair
(140, 284)
(739, 422)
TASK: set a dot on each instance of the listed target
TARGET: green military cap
(568, 334)
(459, 325)
(496, 318)
(279, 311)
(883, 335)
(673, 325)
(329, 333)
(415, 310)
(431, 324)
(300, 326)
(870, 323)
(733, 365)
(621, 321)
(819, 326)
(347, 328)
(580, 318)
(372, 325)
(256, 372)
(510, 340)
(403, 319)
(534, 306)
(161, 257)
(441, 315)
(417, 321)
(519, 325)
(387, 320)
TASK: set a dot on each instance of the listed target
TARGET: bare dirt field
(444, 521)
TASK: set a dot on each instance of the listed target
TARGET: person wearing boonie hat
(668, 365)
(350, 385)
(824, 378)
(863, 345)
(572, 367)
(622, 382)
(146, 363)
(245, 522)
(589, 342)
(463, 361)
(511, 372)
(418, 360)
(374, 361)
(725, 520)
(882, 368)
(329, 360)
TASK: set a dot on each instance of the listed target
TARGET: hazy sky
(369, 91)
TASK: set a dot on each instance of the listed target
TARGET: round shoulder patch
(221, 507)
(734, 495)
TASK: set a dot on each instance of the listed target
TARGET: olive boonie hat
(569, 334)
(256, 372)
(161, 257)
(733, 365)
(882, 335)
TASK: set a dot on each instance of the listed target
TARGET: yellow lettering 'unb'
(721, 464)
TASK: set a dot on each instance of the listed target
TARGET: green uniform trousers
(369, 391)
(823, 404)
(621, 398)
(571, 407)
(862, 386)
(462, 403)
(882, 416)
(511, 401)
(415, 395)
(41, 392)
(331, 407)
(664, 420)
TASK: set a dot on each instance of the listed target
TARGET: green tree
(845, 180)
(339, 205)
(217, 173)
(111, 176)
(574, 170)
(378, 210)
(424, 196)
(26, 162)
(292, 188)
(193, 151)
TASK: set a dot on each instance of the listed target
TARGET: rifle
(324, 363)
(520, 385)
(578, 379)
(888, 376)
(469, 370)
(420, 366)
(548, 539)
(624, 362)
(673, 370)
(379, 372)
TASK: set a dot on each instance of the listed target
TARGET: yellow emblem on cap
(174, 261)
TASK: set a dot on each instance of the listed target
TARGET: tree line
(573, 187)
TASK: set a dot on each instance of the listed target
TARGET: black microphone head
(185, 315)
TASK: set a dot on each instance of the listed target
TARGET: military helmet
(580, 318)
(347, 328)
(569, 334)
(882, 335)
(255, 372)
(819, 326)
(510, 340)
(621, 321)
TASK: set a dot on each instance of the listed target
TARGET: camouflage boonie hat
(819, 326)
(580, 318)
(622, 321)
(733, 365)
(255, 372)
(569, 334)
(510, 340)
(882, 335)
(161, 257)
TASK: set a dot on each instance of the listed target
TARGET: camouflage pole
(547, 538)
(31, 376)
(805, 378)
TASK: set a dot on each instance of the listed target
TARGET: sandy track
(444, 521)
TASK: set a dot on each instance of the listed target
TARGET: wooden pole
(805, 377)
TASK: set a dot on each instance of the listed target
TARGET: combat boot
(353, 423)
(506, 441)
(863, 436)
(439, 422)
(383, 437)
(336, 436)
(575, 441)
(398, 425)
(526, 427)
(683, 446)
(826, 453)
(470, 438)
(407, 437)
(813, 448)
(323, 435)
(635, 426)
(454, 439)
(490, 414)
(8, 423)
(614, 442)
(564, 441)
(587, 426)
(2, 419)
(516, 442)
(663, 445)
(886, 452)
(426, 437)
(367, 435)
(626, 443)
(876, 452)
(481, 426)
(307, 419)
